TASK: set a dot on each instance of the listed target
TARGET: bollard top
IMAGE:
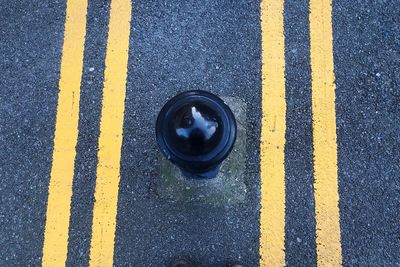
(196, 130)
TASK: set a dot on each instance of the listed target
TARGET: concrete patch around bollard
(228, 188)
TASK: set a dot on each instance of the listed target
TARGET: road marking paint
(272, 170)
(65, 137)
(110, 139)
(324, 135)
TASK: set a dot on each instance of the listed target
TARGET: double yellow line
(66, 134)
(272, 215)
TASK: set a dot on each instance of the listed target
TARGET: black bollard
(196, 131)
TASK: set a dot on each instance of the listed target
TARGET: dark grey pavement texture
(31, 34)
(211, 45)
(178, 46)
(367, 67)
(300, 244)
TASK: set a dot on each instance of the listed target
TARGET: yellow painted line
(324, 135)
(272, 214)
(110, 139)
(65, 137)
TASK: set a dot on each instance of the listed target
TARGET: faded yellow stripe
(65, 136)
(272, 217)
(324, 135)
(110, 139)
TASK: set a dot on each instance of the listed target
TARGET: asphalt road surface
(213, 45)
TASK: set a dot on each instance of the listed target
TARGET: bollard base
(227, 188)
(204, 175)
